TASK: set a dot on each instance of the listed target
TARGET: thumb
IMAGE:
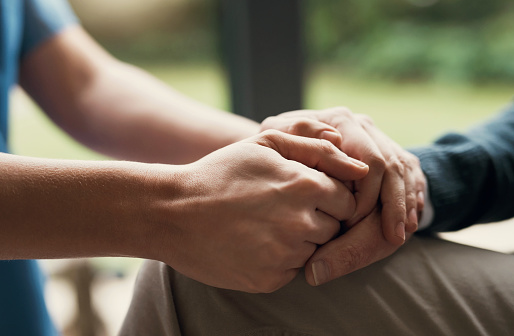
(318, 154)
(359, 247)
(303, 126)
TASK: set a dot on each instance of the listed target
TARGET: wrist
(158, 202)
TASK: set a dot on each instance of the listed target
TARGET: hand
(395, 176)
(359, 247)
(249, 215)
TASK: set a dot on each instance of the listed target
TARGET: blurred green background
(418, 67)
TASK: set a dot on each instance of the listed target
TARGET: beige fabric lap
(429, 287)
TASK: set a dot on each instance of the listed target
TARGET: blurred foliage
(440, 40)
(157, 31)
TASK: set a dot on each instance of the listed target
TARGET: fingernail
(358, 163)
(413, 217)
(400, 230)
(330, 136)
(320, 272)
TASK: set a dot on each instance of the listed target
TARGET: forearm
(58, 208)
(470, 176)
(144, 120)
(120, 110)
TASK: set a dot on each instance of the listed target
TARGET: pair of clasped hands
(293, 190)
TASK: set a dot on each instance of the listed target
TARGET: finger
(411, 225)
(335, 199)
(362, 245)
(420, 201)
(326, 228)
(314, 153)
(393, 207)
(393, 193)
(411, 191)
(358, 144)
(421, 184)
(303, 126)
(366, 194)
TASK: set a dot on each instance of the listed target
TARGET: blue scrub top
(24, 24)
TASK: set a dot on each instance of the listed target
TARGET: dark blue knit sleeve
(471, 176)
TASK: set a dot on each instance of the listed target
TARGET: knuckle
(396, 166)
(409, 160)
(307, 227)
(343, 110)
(308, 183)
(269, 121)
(300, 126)
(271, 138)
(302, 225)
(326, 146)
(271, 134)
(410, 197)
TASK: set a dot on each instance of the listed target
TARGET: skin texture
(201, 217)
(395, 183)
(256, 232)
(252, 234)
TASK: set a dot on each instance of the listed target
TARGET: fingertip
(412, 222)
(359, 164)
(319, 273)
(357, 169)
(396, 237)
(309, 276)
(411, 227)
(420, 200)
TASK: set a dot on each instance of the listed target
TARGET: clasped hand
(250, 215)
(389, 199)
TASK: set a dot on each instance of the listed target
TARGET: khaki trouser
(429, 287)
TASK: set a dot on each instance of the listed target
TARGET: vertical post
(262, 44)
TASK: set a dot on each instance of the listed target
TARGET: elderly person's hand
(395, 177)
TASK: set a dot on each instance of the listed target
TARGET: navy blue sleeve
(43, 19)
(471, 176)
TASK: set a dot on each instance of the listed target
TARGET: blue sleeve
(22, 305)
(42, 20)
(471, 176)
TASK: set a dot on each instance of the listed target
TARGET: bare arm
(60, 208)
(120, 110)
(244, 217)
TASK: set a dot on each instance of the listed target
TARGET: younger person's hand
(250, 215)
